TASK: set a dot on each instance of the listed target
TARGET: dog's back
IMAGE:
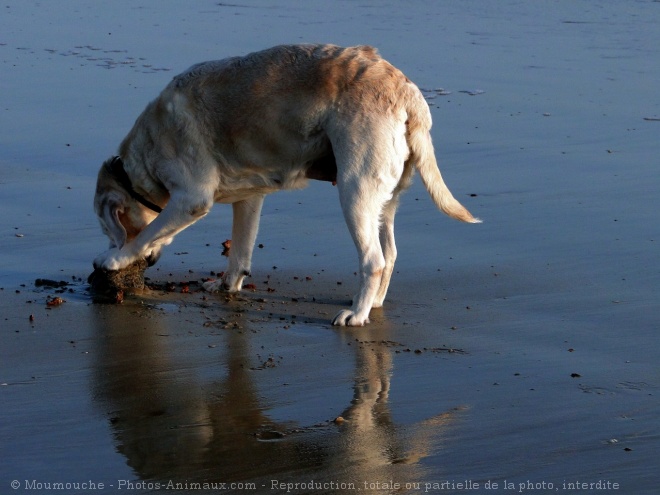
(267, 109)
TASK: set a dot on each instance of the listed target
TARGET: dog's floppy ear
(109, 203)
(111, 209)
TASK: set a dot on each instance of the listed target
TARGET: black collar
(116, 168)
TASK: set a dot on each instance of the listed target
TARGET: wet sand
(514, 355)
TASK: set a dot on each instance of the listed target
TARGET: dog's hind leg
(370, 170)
(387, 243)
(362, 202)
(372, 264)
(388, 247)
(243, 234)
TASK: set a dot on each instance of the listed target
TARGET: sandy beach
(516, 356)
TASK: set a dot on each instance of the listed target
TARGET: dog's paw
(348, 318)
(112, 260)
(214, 285)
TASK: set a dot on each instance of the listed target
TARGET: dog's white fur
(234, 130)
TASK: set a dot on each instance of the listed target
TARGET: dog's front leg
(244, 230)
(182, 210)
(244, 233)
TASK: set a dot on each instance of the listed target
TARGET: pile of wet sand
(110, 285)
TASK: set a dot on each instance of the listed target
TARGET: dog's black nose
(153, 258)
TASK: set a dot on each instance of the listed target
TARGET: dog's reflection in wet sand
(170, 423)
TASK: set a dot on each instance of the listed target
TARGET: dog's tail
(422, 157)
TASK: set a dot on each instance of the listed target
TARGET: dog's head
(121, 216)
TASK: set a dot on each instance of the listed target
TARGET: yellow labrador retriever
(234, 130)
